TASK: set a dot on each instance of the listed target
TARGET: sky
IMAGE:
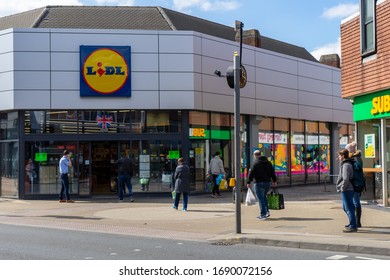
(311, 24)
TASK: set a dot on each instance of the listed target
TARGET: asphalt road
(34, 243)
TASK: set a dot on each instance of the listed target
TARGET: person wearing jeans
(263, 173)
(125, 172)
(262, 188)
(182, 183)
(344, 186)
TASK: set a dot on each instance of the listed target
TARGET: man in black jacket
(263, 172)
(125, 172)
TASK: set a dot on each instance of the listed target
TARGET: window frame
(365, 21)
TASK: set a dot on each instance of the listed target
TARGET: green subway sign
(372, 106)
(202, 133)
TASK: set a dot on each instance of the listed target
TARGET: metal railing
(327, 176)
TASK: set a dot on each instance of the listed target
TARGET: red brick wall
(374, 75)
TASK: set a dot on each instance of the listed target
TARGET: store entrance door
(104, 174)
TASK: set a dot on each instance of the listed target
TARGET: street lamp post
(237, 68)
(237, 140)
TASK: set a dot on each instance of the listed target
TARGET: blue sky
(312, 24)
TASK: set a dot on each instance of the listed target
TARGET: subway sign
(105, 71)
(372, 106)
(202, 133)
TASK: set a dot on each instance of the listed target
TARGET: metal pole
(237, 139)
(384, 163)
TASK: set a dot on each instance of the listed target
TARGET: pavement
(312, 219)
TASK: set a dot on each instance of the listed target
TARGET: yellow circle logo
(105, 71)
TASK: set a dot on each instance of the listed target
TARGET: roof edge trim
(40, 18)
(165, 16)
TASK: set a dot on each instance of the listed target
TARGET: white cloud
(340, 11)
(205, 5)
(327, 49)
(9, 7)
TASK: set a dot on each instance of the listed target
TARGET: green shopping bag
(275, 199)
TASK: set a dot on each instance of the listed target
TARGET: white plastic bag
(250, 198)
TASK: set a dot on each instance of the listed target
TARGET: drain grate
(223, 243)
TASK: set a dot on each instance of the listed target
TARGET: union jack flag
(104, 121)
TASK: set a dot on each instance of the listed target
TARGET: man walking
(216, 168)
(263, 172)
(64, 165)
(125, 172)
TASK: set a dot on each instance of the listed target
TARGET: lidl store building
(104, 90)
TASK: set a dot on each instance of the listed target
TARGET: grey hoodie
(345, 176)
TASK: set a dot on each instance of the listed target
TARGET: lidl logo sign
(105, 71)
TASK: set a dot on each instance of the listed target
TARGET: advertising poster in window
(274, 147)
(369, 145)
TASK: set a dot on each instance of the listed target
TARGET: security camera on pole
(236, 78)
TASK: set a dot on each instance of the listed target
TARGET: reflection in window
(368, 26)
(9, 126)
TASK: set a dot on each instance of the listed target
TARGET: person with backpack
(356, 156)
(344, 185)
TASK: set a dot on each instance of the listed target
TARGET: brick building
(365, 52)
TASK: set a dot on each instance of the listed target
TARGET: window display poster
(369, 145)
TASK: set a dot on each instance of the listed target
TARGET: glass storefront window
(41, 167)
(163, 121)
(61, 122)
(280, 150)
(297, 152)
(9, 126)
(266, 138)
(9, 168)
(324, 150)
(311, 152)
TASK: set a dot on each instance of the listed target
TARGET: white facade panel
(7, 62)
(215, 49)
(341, 116)
(217, 102)
(139, 100)
(276, 62)
(216, 85)
(315, 113)
(165, 64)
(275, 78)
(7, 41)
(31, 40)
(180, 100)
(249, 91)
(7, 100)
(145, 43)
(178, 42)
(177, 62)
(37, 61)
(6, 81)
(32, 80)
(336, 78)
(176, 81)
(28, 99)
(275, 93)
(316, 86)
(315, 100)
(65, 81)
(144, 81)
(315, 71)
(276, 109)
(65, 61)
(247, 106)
(143, 62)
